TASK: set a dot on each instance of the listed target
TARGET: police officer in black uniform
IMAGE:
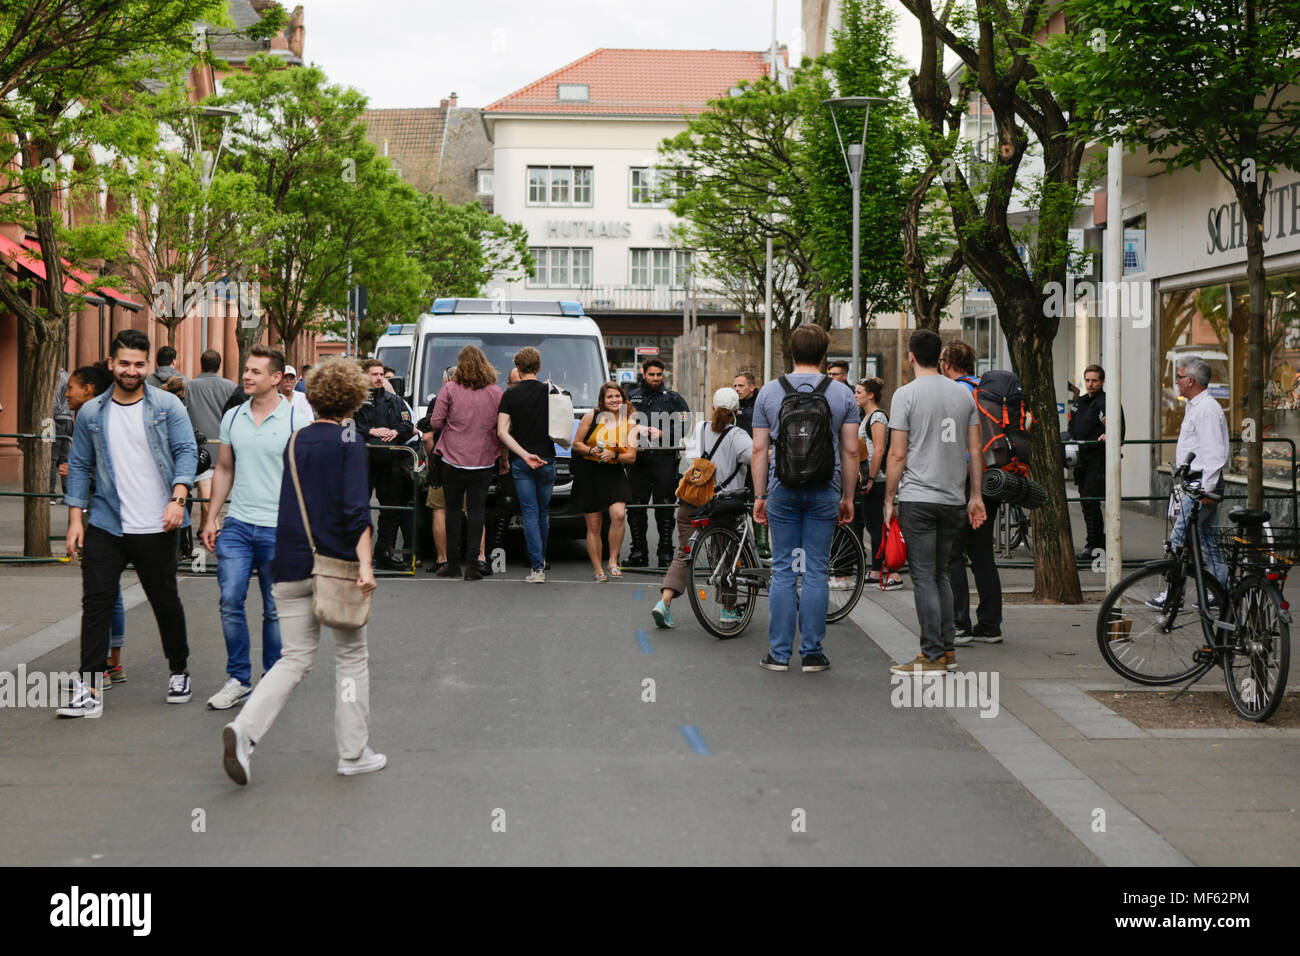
(1088, 423)
(384, 420)
(654, 474)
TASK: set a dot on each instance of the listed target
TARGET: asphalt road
(516, 730)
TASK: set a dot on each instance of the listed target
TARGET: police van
(394, 349)
(570, 343)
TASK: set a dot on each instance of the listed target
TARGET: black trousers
(104, 557)
(1091, 480)
(872, 509)
(978, 545)
(654, 480)
(390, 480)
(470, 486)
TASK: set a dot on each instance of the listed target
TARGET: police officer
(654, 474)
(385, 420)
(1088, 424)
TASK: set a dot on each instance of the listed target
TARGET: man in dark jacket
(654, 474)
(1088, 424)
(383, 420)
(747, 388)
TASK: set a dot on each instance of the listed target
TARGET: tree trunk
(43, 351)
(1253, 210)
(1056, 577)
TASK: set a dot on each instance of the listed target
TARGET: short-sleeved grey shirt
(935, 412)
(767, 412)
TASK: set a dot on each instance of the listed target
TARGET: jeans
(533, 489)
(804, 519)
(104, 556)
(978, 544)
(117, 624)
(930, 530)
(1211, 556)
(301, 638)
(241, 550)
(468, 485)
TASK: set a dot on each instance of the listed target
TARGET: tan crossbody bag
(337, 599)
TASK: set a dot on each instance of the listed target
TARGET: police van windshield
(396, 357)
(573, 362)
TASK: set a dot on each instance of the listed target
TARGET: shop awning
(86, 279)
(75, 282)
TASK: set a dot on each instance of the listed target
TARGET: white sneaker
(235, 753)
(178, 689)
(840, 583)
(368, 762)
(84, 702)
(536, 577)
(231, 694)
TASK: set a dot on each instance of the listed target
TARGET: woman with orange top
(601, 484)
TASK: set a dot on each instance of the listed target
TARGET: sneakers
(84, 702)
(841, 583)
(772, 664)
(663, 617)
(986, 634)
(1157, 603)
(231, 694)
(950, 660)
(115, 674)
(816, 662)
(178, 689)
(536, 577)
(730, 616)
(368, 762)
(922, 665)
(964, 637)
(235, 753)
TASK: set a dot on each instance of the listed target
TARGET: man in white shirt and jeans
(1204, 433)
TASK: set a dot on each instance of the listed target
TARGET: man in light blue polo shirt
(250, 466)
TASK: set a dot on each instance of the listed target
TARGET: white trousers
(299, 638)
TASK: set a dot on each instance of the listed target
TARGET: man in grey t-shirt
(935, 425)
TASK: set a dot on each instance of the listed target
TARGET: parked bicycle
(725, 574)
(1147, 628)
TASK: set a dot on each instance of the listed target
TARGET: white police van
(394, 349)
(572, 350)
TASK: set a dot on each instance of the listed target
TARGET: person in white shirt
(1204, 433)
(298, 399)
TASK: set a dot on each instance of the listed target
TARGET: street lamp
(853, 163)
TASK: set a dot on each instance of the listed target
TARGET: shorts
(436, 500)
(206, 476)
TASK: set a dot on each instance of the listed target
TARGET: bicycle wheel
(1255, 669)
(1149, 628)
(847, 570)
(1021, 536)
(722, 588)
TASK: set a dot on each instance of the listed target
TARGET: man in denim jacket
(136, 443)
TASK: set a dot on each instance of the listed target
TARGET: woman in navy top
(334, 470)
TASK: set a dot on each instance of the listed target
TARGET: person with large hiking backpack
(805, 474)
(957, 362)
(935, 442)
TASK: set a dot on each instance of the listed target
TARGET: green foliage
(461, 248)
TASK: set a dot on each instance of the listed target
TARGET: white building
(574, 161)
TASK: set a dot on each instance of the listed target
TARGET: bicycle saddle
(1249, 518)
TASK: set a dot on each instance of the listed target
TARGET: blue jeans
(801, 519)
(533, 488)
(1211, 556)
(241, 550)
(117, 625)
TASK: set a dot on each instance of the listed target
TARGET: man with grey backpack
(805, 474)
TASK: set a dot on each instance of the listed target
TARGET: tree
(462, 248)
(748, 180)
(1197, 81)
(71, 81)
(861, 63)
(999, 49)
(335, 202)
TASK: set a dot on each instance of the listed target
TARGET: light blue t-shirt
(259, 460)
(767, 413)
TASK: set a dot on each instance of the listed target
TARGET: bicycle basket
(1276, 549)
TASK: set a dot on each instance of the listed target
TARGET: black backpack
(805, 444)
(1004, 421)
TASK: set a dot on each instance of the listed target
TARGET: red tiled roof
(641, 82)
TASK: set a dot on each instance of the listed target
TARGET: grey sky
(405, 53)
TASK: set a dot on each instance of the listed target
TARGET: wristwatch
(760, 497)
(178, 501)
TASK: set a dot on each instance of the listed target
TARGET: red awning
(86, 279)
(36, 266)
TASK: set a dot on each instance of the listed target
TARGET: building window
(486, 182)
(560, 268)
(660, 267)
(573, 93)
(653, 186)
(559, 185)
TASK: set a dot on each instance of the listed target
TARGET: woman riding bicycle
(730, 449)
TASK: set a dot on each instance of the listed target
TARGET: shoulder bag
(337, 599)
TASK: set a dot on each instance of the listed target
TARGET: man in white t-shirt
(298, 399)
(137, 444)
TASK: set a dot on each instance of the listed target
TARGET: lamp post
(208, 171)
(853, 163)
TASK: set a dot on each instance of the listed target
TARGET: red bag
(893, 550)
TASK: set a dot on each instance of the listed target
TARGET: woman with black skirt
(601, 485)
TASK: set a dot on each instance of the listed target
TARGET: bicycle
(1020, 534)
(725, 574)
(1146, 630)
